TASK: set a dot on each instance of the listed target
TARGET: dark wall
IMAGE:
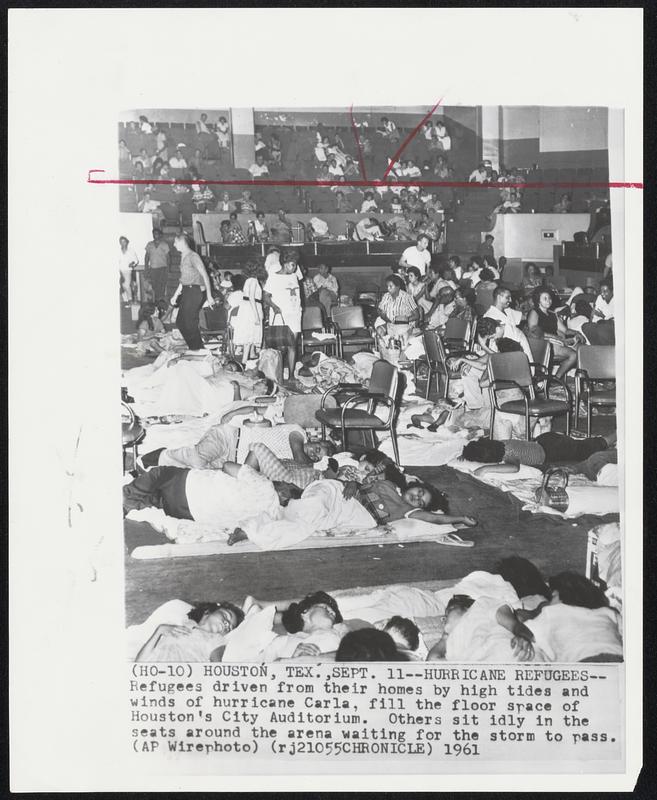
(526, 153)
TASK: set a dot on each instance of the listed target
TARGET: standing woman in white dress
(223, 133)
(247, 329)
(283, 295)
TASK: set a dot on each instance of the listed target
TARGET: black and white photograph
(343, 363)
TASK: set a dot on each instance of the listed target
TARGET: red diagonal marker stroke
(354, 128)
(409, 138)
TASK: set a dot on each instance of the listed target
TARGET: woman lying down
(311, 629)
(280, 514)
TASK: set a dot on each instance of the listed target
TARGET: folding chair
(383, 390)
(312, 321)
(594, 363)
(351, 328)
(512, 370)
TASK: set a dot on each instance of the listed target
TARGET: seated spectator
(124, 154)
(429, 226)
(149, 206)
(247, 203)
(454, 263)
(223, 133)
(178, 161)
(478, 175)
(144, 125)
(323, 173)
(442, 136)
(260, 146)
(161, 145)
(603, 309)
(235, 234)
(564, 206)
(334, 169)
(223, 230)
(397, 310)
(327, 288)
(259, 169)
(281, 230)
(580, 314)
(490, 264)
(442, 308)
(156, 167)
(342, 206)
(442, 170)
(260, 228)
(225, 204)
(501, 311)
(275, 150)
(416, 285)
(473, 271)
(368, 204)
(138, 173)
(486, 280)
(351, 169)
(418, 255)
(601, 331)
(368, 230)
(396, 205)
(388, 129)
(202, 125)
(411, 170)
(510, 202)
(464, 300)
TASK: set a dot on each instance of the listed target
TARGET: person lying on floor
(209, 496)
(226, 442)
(201, 636)
(548, 448)
(301, 470)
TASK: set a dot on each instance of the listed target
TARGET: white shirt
(511, 318)
(215, 497)
(417, 258)
(127, 258)
(570, 633)
(272, 263)
(258, 169)
(607, 308)
(472, 276)
(285, 293)
(177, 163)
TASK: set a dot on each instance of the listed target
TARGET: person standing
(247, 329)
(128, 261)
(283, 295)
(157, 261)
(194, 291)
(418, 255)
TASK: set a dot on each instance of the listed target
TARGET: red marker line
(373, 183)
(354, 128)
(409, 138)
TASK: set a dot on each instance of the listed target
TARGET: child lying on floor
(548, 448)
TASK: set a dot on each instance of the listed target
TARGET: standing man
(157, 261)
(418, 255)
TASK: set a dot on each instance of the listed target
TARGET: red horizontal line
(453, 184)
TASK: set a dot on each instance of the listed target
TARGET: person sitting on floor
(548, 448)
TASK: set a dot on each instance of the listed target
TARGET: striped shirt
(401, 306)
(517, 451)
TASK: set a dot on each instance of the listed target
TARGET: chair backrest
(384, 379)
(434, 348)
(311, 319)
(348, 318)
(599, 361)
(541, 351)
(200, 233)
(510, 367)
(457, 329)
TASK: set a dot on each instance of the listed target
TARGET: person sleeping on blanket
(384, 500)
(225, 442)
(589, 455)
(575, 625)
(300, 470)
(207, 496)
(199, 636)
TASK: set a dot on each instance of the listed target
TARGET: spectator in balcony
(323, 173)
(235, 234)
(510, 202)
(225, 204)
(396, 205)
(260, 146)
(335, 171)
(202, 197)
(156, 167)
(342, 205)
(144, 125)
(443, 137)
(368, 204)
(178, 161)
(260, 227)
(124, 154)
(247, 203)
(223, 133)
(478, 175)
(138, 173)
(411, 170)
(368, 230)
(259, 169)
(388, 129)
(281, 230)
(442, 170)
(197, 162)
(351, 169)
(429, 225)
(161, 145)
(564, 206)
(148, 206)
(223, 230)
(403, 226)
(418, 255)
(321, 149)
(429, 131)
(157, 261)
(275, 150)
(146, 160)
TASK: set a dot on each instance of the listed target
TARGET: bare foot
(236, 536)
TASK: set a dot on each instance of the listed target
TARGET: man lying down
(280, 513)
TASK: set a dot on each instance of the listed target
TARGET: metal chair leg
(588, 414)
(492, 422)
(428, 387)
(446, 392)
(568, 422)
(527, 428)
(395, 448)
(343, 436)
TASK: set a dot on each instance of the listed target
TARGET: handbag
(279, 336)
(552, 492)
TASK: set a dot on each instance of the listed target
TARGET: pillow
(524, 473)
